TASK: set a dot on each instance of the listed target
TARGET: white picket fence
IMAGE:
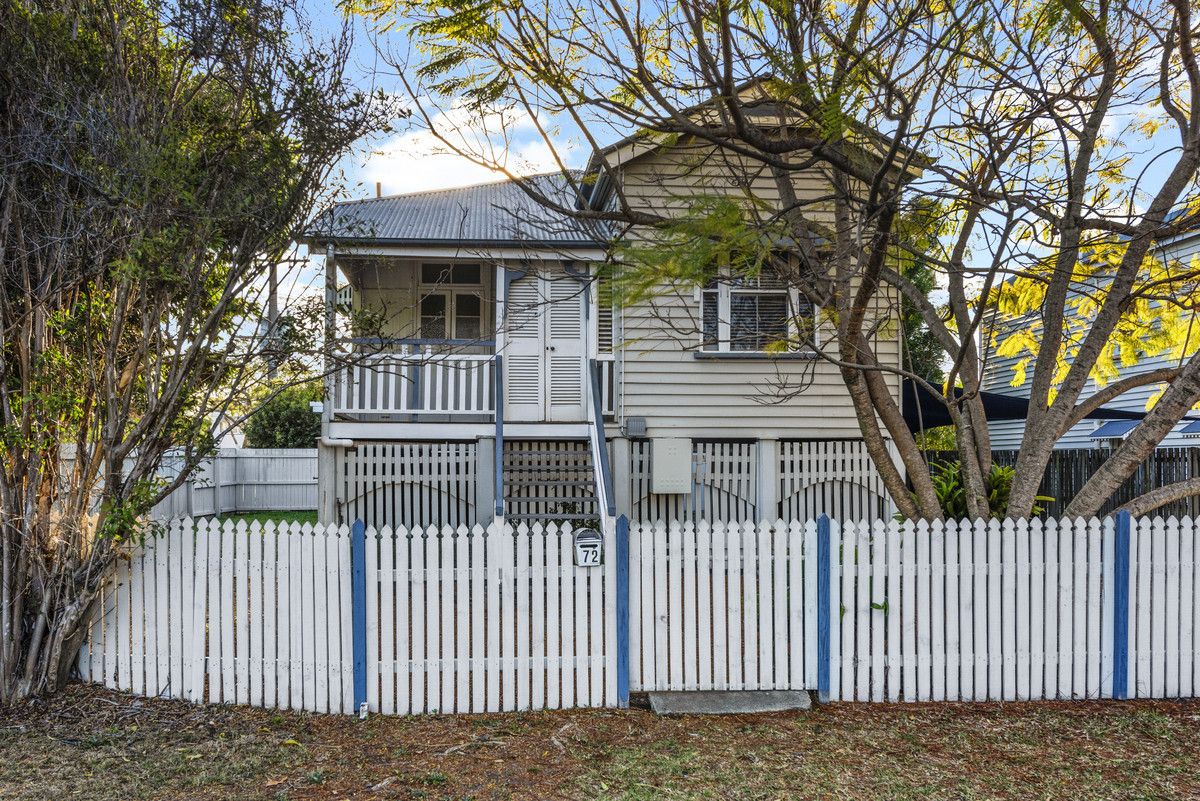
(229, 613)
(716, 607)
(1011, 611)
(955, 611)
(462, 620)
(473, 620)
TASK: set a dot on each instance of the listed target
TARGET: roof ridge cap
(446, 190)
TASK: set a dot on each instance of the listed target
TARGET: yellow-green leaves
(1156, 320)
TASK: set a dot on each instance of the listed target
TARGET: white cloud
(416, 160)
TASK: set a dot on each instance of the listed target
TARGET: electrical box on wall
(671, 465)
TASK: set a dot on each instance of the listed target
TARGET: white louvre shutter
(523, 356)
(566, 351)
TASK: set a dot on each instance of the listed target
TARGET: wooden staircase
(550, 481)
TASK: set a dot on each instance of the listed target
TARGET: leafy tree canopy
(156, 159)
(1020, 150)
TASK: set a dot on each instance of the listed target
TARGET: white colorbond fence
(469, 620)
(244, 480)
(298, 617)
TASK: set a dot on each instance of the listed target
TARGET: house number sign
(589, 548)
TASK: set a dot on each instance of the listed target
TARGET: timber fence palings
(295, 616)
(441, 619)
(242, 480)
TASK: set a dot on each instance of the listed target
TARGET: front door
(565, 351)
(546, 352)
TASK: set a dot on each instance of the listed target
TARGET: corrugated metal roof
(494, 214)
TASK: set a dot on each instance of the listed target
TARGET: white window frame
(452, 292)
(724, 343)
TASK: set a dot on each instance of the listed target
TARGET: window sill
(721, 355)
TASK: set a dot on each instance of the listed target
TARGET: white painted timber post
(485, 480)
(326, 456)
(326, 483)
(218, 508)
(621, 454)
(767, 492)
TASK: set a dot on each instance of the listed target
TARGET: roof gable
(756, 102)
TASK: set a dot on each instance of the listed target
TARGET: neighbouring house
(505, 382)
(1097, 432)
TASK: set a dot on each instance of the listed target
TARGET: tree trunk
(1141, 442)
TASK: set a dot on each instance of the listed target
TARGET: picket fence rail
(330, 619)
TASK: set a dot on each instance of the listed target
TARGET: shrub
(286, 420)
(947, 483)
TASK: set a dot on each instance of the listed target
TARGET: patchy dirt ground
(95, 744)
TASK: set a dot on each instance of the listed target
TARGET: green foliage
(286, 420)
(127, 520)
(951, 493)
(689, 251)
(157, 159)
(940, 438)
(920, 228)
(923, 354)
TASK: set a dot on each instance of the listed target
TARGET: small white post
(767, 492)
(621, 461)
(218, 508)
(485, 484)
(326, 484)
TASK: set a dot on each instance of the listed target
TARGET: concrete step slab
(741, 702)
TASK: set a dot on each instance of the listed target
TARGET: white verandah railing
(400, 383)
(413, 383)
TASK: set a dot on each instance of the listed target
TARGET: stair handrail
(604, 484)
(498, 378)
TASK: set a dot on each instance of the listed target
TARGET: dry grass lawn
(94, 744)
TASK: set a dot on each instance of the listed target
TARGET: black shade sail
(923, 410)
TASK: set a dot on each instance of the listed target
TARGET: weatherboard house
(1119, 416)
(502, 382)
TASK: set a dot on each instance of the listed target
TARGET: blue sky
(408, 159)
(405, 160)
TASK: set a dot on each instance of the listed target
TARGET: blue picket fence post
(824, 605)
(622, 590)
(1121, 606)
(358, 616)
